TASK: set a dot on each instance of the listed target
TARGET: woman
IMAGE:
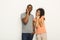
(40, 25)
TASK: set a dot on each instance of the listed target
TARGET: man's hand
(27, 11)
(25, 19)
(33, 32)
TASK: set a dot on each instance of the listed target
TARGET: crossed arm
(25, 19)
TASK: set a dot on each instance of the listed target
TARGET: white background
(10, 24)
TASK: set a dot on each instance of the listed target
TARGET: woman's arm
(41, 21)
(34, 24)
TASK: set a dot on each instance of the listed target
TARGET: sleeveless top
(40, 29)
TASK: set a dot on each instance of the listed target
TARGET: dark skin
(25, 19)
(28, 10)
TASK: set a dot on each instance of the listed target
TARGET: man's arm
(25, 19)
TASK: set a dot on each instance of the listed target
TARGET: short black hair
(29, 5)
(42, 12)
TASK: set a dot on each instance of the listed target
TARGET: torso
(39, 29)
(28, 27)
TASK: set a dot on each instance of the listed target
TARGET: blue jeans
(27, 36)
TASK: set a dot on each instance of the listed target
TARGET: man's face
(29, 8)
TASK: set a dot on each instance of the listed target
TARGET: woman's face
(38, 13)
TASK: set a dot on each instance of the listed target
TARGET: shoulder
(22, 13)
(42, 17)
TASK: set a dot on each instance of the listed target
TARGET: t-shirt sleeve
(22, 16)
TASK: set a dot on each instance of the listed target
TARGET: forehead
(29, 7)
(38, 10)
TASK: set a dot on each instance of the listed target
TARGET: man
(27, 24)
